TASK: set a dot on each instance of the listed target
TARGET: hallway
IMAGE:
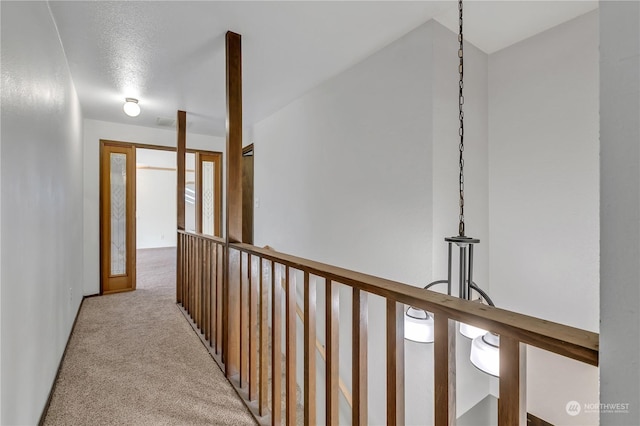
(133, 359)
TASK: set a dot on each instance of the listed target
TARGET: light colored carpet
(134, 360)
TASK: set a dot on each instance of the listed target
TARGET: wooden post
(512, 408)
(181, 125)
(231, 293)
(181, 129)
(444, 365)
(234, 137)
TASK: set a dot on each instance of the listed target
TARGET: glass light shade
(485, 353)
(470, 331)
(131, 107)
(418, 325)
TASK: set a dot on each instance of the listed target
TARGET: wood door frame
(136, 145)
(216, 159)
(247, 198)
(130, 215)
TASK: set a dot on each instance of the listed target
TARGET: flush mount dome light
(131, 107)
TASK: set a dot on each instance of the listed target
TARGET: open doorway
(156, 200)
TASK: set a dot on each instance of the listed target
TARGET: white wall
(620, 209)
(95, 130)
(543, 199)
(156, 193)
(41, 208)
(344, 175)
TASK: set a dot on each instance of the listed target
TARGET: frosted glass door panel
(190, 193)
(208, 192)
(118, 214)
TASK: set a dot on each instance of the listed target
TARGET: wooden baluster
(192, 280)
(512, 405)
(253, 338)
(276, 350)
(395, 363)
(264, 343)
(444, 365)
(207, 294)
(290, 292)
(231, 345)
(244, 320)
(309, 350)
(188, 278)
(219, 297)
(179, 269)
(359, 357)
(198, 283)
(332, 305)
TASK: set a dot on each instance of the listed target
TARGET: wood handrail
(217, 240)
(571, 342)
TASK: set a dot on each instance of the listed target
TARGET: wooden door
(209, 193)
(247, 194)
(117, 218)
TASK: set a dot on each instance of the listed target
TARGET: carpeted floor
(134, 360)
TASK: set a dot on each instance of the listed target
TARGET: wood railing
(234, 295)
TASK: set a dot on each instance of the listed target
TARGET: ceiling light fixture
(419, 323)
(131, 107)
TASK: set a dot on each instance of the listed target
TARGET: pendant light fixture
(419, 323)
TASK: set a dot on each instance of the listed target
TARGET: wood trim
(198, 203)
(444, 367)
(512, 408)
(332, 313)
(234, 136)
(181, 161)
(395, 363)
(216, 159)
(564, 340)
(359, 362)
(309, 350)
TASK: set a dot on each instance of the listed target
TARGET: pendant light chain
(461, 118)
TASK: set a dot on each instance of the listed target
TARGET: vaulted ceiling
(170, 55)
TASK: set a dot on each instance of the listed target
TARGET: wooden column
(181, 125)
(512, 405)
(444, 365)
(231, 289)
(181, 129)
(234, 137)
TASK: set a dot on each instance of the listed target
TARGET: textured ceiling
(170, 55)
